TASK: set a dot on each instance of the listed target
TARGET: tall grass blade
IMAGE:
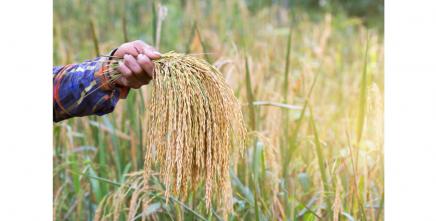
(363, 95)
(94, 37)
(256, 204)
(124, 21)
(287, 65)
(321, 164)
(204, 46)
(293, 140)
(250, 97)
(191, 37)
(154, 22)
(380, 207)
(292, 146)
(285, 140)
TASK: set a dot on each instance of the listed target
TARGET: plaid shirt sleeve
(84, 89)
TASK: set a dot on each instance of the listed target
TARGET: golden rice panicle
(193, 117)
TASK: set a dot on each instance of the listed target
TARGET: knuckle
(126, 71)
(124, 45)
(141, 61)
(128, 60)
(139, 43)
(127, 74)
(137, 70)
(148, 49)
(126, 66)
(131, 52)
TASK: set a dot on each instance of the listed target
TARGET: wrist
(103, 76)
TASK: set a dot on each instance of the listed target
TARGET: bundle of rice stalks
(193, 122)
(192, 117)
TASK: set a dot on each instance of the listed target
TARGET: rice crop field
(310, 84)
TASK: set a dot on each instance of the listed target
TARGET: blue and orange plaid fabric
(84, 89)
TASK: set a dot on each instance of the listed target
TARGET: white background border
(410, 110)
(26, 110)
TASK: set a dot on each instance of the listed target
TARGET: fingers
(146, 65)
(146, 49)
(152, 54)
(135, 72)
(127, 78)
(131, 63)
(135, 48)
(139, 67)
(126, 48)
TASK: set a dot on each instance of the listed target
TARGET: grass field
(311, 85)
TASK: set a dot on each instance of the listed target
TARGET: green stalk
(250, 96)
(203, 46)
(287, 66)
(363, 96)
(101, 152)
(154, 22)
(252, 116)
(381, 206)
(116, 154)
(286, 112)
(293, 142)
(94, 37)
(292, 146)
(361, 117)
(256, 205)
(191, 37)
(322, 167)
(124, 22)
(173, 199)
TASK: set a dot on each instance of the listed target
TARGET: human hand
(137, 68)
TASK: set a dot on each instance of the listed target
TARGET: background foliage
(309, 75)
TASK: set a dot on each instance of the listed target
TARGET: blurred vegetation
(309, 75)
(370, 11)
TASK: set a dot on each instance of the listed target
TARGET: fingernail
(157, 53)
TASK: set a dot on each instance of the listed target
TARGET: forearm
(84, 89)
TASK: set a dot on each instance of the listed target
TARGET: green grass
(299, 163)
